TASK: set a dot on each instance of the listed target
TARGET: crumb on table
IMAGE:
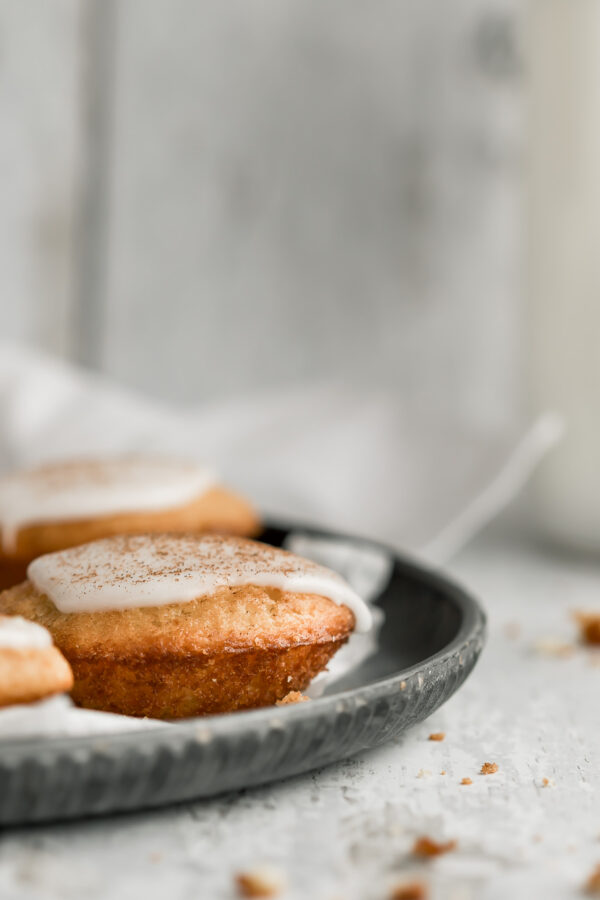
(550, 646)
(589, 627)
(409, 890)
(437, 736)
(262, 881)
(466, 781)
(592, 885)
(292, 697)
(489, 768)
(426, 847)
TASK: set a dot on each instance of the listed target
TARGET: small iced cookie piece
(31, 668)
(170, 626)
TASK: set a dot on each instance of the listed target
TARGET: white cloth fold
(360, 461)
(58, 717)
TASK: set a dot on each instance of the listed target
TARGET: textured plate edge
(265, 727)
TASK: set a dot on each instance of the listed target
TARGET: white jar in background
(563, 259)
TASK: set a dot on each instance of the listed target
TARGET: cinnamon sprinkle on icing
(151, 570)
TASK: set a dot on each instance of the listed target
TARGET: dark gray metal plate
(431, 638)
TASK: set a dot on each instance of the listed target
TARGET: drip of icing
(17, 633)
(153, 570)
(84, 489)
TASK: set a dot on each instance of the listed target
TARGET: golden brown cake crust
(217, 510)
(175, 687)
(235, 649)
(32, 674)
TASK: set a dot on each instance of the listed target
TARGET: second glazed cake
(170, 626)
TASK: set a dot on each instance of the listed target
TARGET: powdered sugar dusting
(152, 570)
(79, 489)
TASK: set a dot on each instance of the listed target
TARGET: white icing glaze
(82, 489)
(17, 633)
(152, 570)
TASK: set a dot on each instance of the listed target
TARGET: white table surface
(346, 832)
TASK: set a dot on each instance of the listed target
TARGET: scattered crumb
(423, 773)
(592, 885)
(425, 847)
(156, 856)
(437, 736)
(589, 627)
(489, 768)
(443, 772)
(263, 881)
(548, 782)
(409, 890)
(466, 781)
(292, 697)
(402, 685)
(550, 646)
(537, 839)
(512, 630)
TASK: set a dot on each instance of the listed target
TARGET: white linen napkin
(360, 461)
(59, 717)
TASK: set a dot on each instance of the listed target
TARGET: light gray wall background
(206, 199)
